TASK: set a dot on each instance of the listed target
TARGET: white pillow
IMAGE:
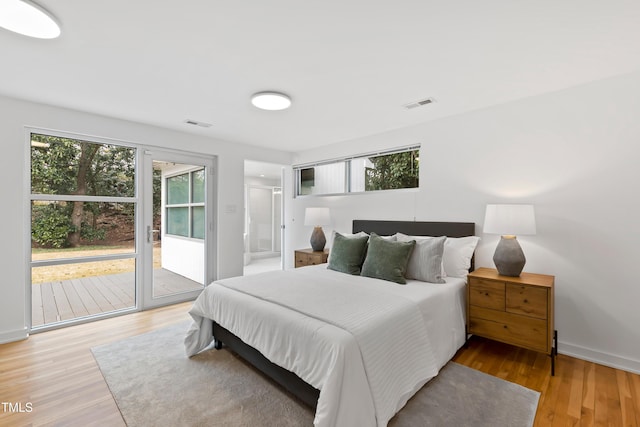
(347, 235)
(389, 238)
(359, 234)
(425, 263)
(458, 252)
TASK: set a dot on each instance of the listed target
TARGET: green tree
(391, 171)
(50, 225)
(65, 166)
(157, 197)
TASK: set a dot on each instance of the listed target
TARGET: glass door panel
(260, 220)
(177, 228)
(277, 219)
(82, 229)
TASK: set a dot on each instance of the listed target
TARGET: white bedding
(367, 344)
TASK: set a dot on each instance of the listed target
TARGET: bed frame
(287, 379)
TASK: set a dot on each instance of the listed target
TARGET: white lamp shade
(317, 217)
(510, 220)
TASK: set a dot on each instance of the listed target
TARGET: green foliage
(92, 234)
(51, 225)
(65, 166)
(391, 171)
(55, 168)
(157, 193)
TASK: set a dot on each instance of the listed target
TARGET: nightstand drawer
(304, 257)
(511, 328)
(527, 300)
(486, 293)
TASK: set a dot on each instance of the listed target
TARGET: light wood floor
(55, 372)
(580, 394)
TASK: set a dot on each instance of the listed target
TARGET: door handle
(149, 234)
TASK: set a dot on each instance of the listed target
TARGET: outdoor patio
(63, 300)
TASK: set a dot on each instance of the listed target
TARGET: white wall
(574, 154)
(184, 257)
(16, 114)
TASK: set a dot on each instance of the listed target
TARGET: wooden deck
(64, 300)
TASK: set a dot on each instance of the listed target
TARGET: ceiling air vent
(196, 123)
(419, 103)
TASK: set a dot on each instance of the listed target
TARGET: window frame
(189, 205)
(348, 171)
(30, 197)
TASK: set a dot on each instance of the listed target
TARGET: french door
(114, 227)
(178, 226)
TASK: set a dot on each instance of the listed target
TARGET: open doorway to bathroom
(263, 215)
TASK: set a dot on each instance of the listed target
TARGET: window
(78, 190)
(325, 179)
(185, 204)
(385, 172)
(82, 228)
(391, 170)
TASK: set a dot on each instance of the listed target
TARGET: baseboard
(11, 336)
(595, 356)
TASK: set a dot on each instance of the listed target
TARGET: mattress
(368, 345)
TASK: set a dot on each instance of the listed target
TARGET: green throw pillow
(387, 260)
(347, 253)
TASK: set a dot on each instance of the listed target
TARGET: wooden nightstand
(513, 310)
(310, 257)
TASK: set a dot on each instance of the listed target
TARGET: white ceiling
(348, 65)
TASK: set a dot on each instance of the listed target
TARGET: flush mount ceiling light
(271, 101)
(29, 19)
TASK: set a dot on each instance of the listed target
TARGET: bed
(354, 366)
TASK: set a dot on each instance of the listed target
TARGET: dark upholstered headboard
(415, 228)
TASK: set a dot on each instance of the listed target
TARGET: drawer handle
(486, 294)
(505, 326)
(526, 301)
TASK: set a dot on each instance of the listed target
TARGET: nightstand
(310, 257)
(513, 310)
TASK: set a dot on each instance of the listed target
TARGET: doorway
(263, 231)
(178, 227)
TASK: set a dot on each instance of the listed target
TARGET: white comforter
(364, 343)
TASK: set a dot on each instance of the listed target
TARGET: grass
(78, 249)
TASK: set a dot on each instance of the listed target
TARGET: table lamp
(317, 217)
(508, 221)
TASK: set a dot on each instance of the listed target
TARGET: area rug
(155, 384)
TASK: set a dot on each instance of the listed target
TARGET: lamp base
(509, 258)
(317, 239)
